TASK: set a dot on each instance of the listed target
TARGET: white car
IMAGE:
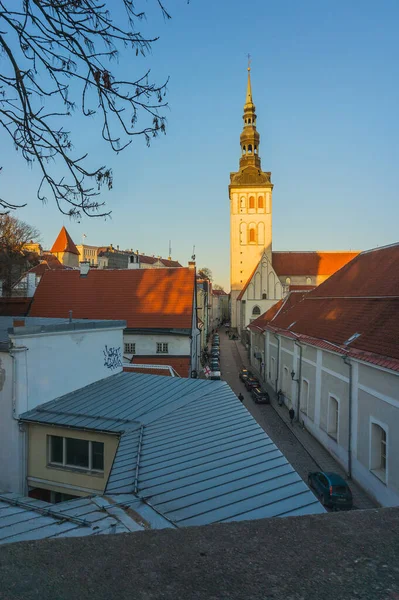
(214, 375)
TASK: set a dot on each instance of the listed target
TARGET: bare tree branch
(53, 52)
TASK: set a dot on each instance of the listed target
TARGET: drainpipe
(278, 361)
(348, 362)
(299, 379)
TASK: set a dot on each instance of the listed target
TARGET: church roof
(356, 310)
(310, 263)
(64, 243)
(144, 298)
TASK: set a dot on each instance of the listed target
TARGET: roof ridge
(380, 248)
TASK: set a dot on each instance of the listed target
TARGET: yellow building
(250, 192)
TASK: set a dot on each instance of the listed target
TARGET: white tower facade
(250, 192)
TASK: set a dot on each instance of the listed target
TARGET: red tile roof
(291, 264)
(181, 364)
(170, 263)
(145, 298)
(64, 243)
(281, 307)
(360, 300)
(14, 307)
(48, 262)
(219, 293)
(301, 288)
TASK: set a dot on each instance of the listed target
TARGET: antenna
(193, 256)
(170, 249)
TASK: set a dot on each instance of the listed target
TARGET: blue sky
(325, 84)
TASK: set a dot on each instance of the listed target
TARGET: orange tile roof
(145, 298)
(281, 307)
(64, 243)
(309, 263)
(362, 298)
(181, 364)
(301, 288)
(48, 262)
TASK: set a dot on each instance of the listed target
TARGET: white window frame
(378, 472)
(162, 347)
(130, 347)
(333, 433)
(304, 403)
(64, 464)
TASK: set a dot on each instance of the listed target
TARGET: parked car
(331, 489)
(251, 382)
(259, 396)
(214, 375)
(214, 364)
(243, 374)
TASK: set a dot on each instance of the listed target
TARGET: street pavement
(301, 449)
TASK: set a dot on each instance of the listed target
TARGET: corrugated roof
(309, 263)
(145, 298)
(188, 448)
(64, 243)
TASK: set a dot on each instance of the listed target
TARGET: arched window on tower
(256, 311)
(249, 121)
(251, 202)
(252, 235)
(260, 202)
(256, 149)
(249, 148)
(244, 149)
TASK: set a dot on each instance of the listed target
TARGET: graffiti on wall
(112, 358)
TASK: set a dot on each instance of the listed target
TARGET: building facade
(250, 193)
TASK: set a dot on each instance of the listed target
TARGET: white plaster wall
(179, 345)
(12, 441)
(54, 364)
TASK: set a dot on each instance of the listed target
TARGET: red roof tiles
(48, 262)
(145, 298)
(181, 364)
(64, 243)
(309, 263)
(362, 298)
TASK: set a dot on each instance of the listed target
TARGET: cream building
(250, 192)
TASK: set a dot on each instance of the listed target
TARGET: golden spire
(249, 89)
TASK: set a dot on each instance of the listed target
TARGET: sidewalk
(322, 458)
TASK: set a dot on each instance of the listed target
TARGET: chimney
(84, 268)
(134, 261)
(30, 285)
(18, 323)
(191, 264)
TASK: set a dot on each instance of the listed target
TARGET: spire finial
(249, 89)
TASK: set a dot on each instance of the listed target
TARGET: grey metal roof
(35, 325)
(189, 449)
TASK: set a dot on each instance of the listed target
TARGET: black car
(243, 374)
(259, 396)
(251, 382)
(332, 490)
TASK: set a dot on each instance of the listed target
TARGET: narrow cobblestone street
(301, 449)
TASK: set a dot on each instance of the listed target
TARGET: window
(242, 202)
(256, 310)
(249, 147)
(130, 348)
(333, 417)
(264, 296)
(251, 202)
(304, 396)
(75, 453)
(252, 235)
(378, 451)
(288, 281)
(308, 281)
(162, 348)
(260, 202)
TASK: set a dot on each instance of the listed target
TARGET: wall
(375, 397)
(245, 255)
(55, 364)
(146, 344)
(11, 438)
(68, 481)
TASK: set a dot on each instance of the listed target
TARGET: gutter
(349, 363)
(278, 361)
(299, 380)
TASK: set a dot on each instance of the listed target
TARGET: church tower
(250, 192)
